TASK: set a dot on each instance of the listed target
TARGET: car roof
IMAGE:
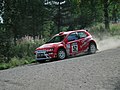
(68, 32)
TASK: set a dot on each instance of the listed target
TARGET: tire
(61, 54)
(92, 48)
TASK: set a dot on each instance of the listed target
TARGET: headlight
(50, 49)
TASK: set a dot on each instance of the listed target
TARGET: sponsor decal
(85, 42)
(74, 47)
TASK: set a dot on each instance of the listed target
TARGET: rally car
(66, 44)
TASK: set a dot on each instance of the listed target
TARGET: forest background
(26, 24)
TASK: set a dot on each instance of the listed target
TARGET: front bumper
(43, 55)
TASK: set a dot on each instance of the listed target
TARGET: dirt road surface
(100, 71)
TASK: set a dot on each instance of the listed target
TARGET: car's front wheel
(61, 54)
(92, 48)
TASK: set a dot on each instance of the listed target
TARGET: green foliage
(115, 29)
(5, 44)
(48, 29)
(22, 53)
(16, 62)
(25, 47)
(74, 14)
(4, 66)
(75, 5)
(98, 30)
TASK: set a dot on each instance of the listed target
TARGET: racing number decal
(74, 47)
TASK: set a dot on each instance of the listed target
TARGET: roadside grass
(22, 53)
(115, 29)
(16, 62)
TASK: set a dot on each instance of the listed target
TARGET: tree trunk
(106, 15)
(114, 14)
(59, 17)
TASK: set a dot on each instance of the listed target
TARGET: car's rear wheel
(92, 48)
(61, 54)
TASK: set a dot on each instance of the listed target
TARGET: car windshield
(56, 39)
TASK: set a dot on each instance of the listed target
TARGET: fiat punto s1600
(66, 44)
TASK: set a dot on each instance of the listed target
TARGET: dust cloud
(106, 43)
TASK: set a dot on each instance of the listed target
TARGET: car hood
(49, 45)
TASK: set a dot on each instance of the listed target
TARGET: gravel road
(100, 71)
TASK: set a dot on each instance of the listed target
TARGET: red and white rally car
(66, 44)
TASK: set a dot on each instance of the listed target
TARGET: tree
(1, 10)
(115, 11)
(5, 33)
(106, 14)
(27, 17)
(86, 12)
(57, 6)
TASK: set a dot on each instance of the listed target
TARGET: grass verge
(16, 62)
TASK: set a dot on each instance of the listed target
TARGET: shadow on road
(56, 60)
(117, 85)
(112, 83)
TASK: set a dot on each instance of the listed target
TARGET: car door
(72, 43)
(83, 41)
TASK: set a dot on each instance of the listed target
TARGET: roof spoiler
(87, 30)
(61, 33)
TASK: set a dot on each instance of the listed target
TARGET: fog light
(50, 53)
